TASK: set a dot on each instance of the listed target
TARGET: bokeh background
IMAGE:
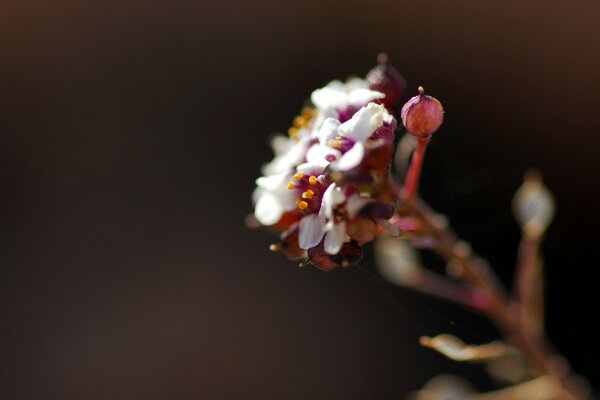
(131, 133)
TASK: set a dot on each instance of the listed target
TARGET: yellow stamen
(293, 132)
(275, 247)
(335, 143)
(298, 176)
(307, 113)
(302, 205)
(312, 180)
(308, 194)
(299, 121)
(291, 185)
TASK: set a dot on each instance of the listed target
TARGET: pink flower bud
(386, 79)
(422, 115)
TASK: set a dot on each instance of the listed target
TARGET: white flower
(336, 209)
(337, 95)
(352, 133)
(272, 198)
(288, 154)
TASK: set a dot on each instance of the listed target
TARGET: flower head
(344, 146)
(310, 190)
(341, 100)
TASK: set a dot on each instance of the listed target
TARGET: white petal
(332, 197)
(310, 231)
(355, 83)
(318, 153)
(335, 238)
(351, 158)
(355, 203)
(337, 85)
(288, 159)
(268, 210)
(361, 97)
(282, 144)
(311, 168)
(329, 130)
(274, 182)
(326, 97)
(364, 122)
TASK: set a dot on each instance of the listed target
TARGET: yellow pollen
(335, 143)
(302, 205)
(291, 185)
(298, 176)
(307, 113)
(293, 132)
(275, 247)
(299, 121)
(308, 194)
(312, 180)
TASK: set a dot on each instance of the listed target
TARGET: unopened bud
(422, 115)
(386, 79)
(533, 205)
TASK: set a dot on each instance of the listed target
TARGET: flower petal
(286, 159)
(332, 197)
(282, 144)
(326, 98)
(364, 122)
(274, 182)
(322, 155)
(329, 130)
(361, 97)
(335, 238)
(352, 158)
(310, 168)
(311, 231)
(269, 209)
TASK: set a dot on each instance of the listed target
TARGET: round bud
(386, 79)
(422, 115)
(533, 205)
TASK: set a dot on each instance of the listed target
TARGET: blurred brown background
(130, 136)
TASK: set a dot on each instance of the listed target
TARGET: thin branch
(529, 285)
(476, 271)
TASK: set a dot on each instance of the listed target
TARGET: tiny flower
(288, 153)
(341, 100)
(422, 115)
(338, 216)
(272, 198)
(386, 79)
(344, 146)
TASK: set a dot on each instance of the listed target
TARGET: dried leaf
(455, 349)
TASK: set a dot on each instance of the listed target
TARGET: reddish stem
(529, 285)
(476, 272)
(411, 184)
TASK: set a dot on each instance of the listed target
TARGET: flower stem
(411, 184)
(528, 293)
(475, 271)
(436, 285)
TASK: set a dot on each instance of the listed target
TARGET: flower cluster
(330, 189)
(327, 191)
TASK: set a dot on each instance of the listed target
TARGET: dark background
(131, 134)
